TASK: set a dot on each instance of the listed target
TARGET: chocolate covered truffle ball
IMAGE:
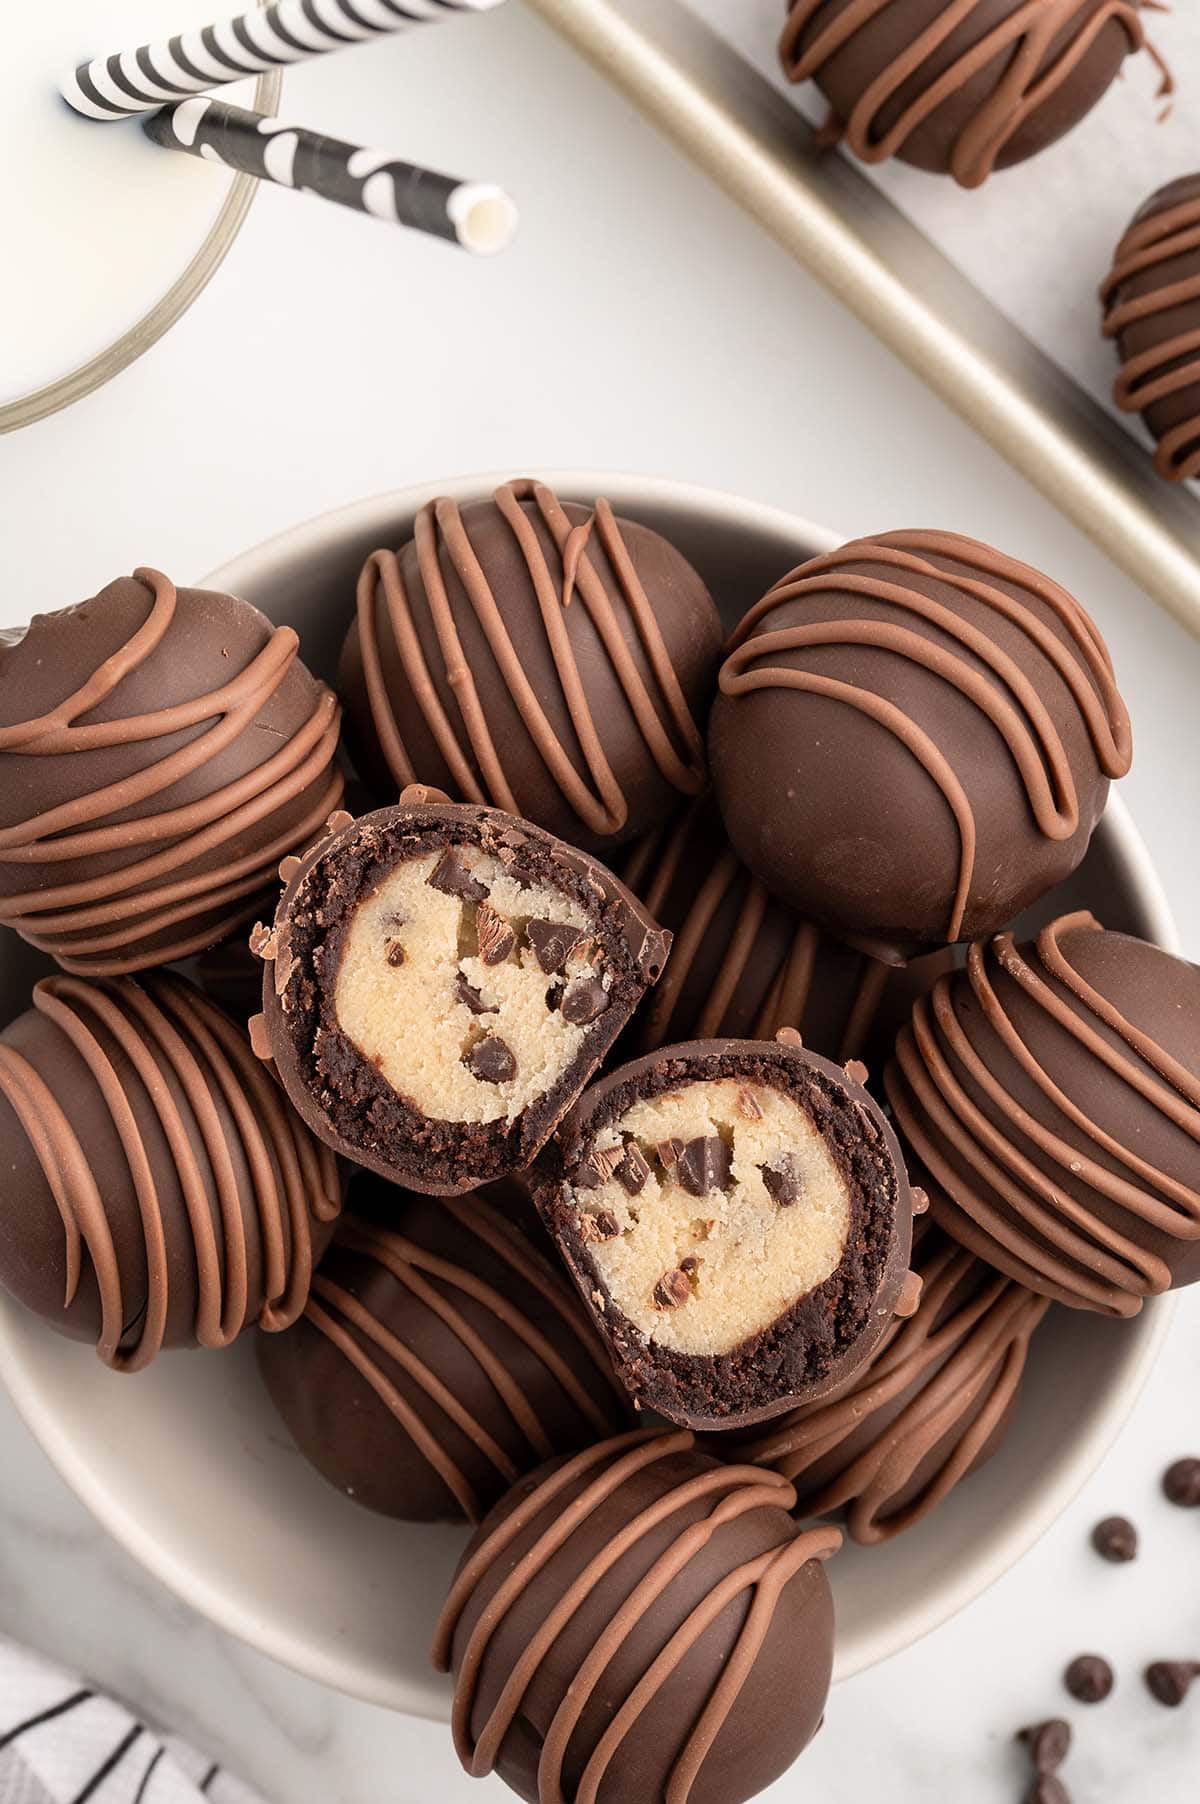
(639, 1622)
(441, 982)
(743, 965)
(958, 87)
(539, 655)
(439, 1358)
(1151, 300)
(1051, 1095)
(737, 1218)
(914, 738)
(885, 1449)
(161, 750)
(158, 1190)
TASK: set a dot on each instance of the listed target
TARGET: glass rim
(86, 377)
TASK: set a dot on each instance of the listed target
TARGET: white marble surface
(639, 322)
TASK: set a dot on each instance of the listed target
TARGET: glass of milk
(105, 239)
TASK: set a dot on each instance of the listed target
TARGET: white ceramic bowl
(186, 1464)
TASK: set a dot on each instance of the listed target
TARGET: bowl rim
(336, 1665)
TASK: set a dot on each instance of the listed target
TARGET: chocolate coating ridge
(345, 1101)
(1151, 301)
(160, 750)
(542, 656)
(930, 1407)
(743, 965)
(439, 1358)
(824, 1336)
(639, 1622)
(914, 738)
(158, 1189)
(1051, 1095)
(959, 87)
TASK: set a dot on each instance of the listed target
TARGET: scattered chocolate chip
(1115, 1539)
(668, 1152)
(672, 1289)
(920, 1200)
(491, 1060)
(1049, 1743)
(466, 992)
(583, 1001)
(451, 876)
(1169, 1680)
(496, 937)
(690, 1265)
(1047, 1788)
(632, 1172)
(553, 943)
(856, 1071)
(704, 1165)
(747, 1104)
(788, 1036)
(603, 1225)
(396, 955)
(1089, 1678)
(1181, 1483)
(782, 1181)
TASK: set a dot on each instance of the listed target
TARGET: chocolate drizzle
(1151, 299)
(959, 653)
(441, 1284)
(589, 1482)
(118, 880)
(771, 966)
(398, 621)
(1059, 1137)
(161, 1058)
(1035, 51)
(888, 1447)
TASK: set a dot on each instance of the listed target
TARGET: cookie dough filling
(714, 1208)
(736, 1216)
(442, 980)
(468, 990)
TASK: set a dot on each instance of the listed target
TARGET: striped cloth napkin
(64, 1742)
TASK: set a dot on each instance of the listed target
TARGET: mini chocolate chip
(451, 876)
(396, 955)
(1115, 1539)
(496, 937)
(782, 1182)
(1047, 1788)
(690, 1265)
(1169, 1680)
(668, 1152)
(491, 1060)
(553, 943)
(1181, 1482)
(466, 992)
(632, 1172)
(856, 1071)
(704, 1165)
(601, 1226)
(1049, 1743)
(747, 1104)
(1089, 1678)
(672, 1289)
(583, 1001)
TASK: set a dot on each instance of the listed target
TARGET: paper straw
(477, 215)
(267, 37)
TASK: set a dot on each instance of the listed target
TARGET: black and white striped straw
(267, 37)
(476, 215)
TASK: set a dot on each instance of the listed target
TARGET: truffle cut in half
(441, 982)
(737, 1216)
